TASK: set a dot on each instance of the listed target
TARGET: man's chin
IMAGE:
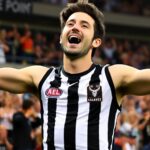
(72, 55)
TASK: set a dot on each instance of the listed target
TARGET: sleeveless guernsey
(79, 111)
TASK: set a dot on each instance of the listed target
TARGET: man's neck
(77, 65)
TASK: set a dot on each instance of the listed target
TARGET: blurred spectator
(27, 45)
(127, 135)
(39, 55)
(22, 124)
(6, 112)
(13, 41)
(109, 49)
(53, 56)
(99, 57)
(5, 144)
(144, 127)
(124, 137)
(3, 46)
(111, 5)
(41, 40)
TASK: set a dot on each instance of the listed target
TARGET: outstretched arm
(21, 80)
(129, 80)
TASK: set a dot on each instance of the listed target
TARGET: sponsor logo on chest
(53, 92)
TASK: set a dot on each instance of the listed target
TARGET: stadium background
(127, 41)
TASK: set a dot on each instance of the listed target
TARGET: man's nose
(76, 28)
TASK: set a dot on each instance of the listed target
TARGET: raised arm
(21, 80)
(129, 80)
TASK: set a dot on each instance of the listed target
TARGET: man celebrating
(80, 101)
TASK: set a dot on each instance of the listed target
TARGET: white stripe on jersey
(61, 112)
(83, 111)
(105, 111)
(104, 115)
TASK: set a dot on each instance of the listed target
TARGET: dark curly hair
(88, 8)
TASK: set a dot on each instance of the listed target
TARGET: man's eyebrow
(86, 22)
(71, 20)
(82, 21)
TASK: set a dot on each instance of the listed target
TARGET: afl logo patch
(53, 92)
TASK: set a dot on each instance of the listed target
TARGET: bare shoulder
(35, 68)
(23, 79)
(129, 80)
(36, 72)
(121, 73)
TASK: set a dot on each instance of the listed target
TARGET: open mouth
(74, 40)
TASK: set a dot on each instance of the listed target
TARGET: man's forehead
(82, 16)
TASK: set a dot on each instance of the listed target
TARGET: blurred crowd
(135, 7)
(20, 122)
(133, 124)
(26, 46)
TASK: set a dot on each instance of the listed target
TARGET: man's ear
(96, 42)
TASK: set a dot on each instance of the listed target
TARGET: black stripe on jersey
(94, 114)
(40, 87)
(72, 111)
(113, 109)
(52, 103)
(44, 78)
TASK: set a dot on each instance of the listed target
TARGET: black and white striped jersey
(79, 111)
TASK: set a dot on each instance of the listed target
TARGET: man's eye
(70, 24)
(84, 26)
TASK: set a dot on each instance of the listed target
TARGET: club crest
(94, 93)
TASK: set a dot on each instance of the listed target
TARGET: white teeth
(73, 36)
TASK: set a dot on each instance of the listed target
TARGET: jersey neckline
(78, 74)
